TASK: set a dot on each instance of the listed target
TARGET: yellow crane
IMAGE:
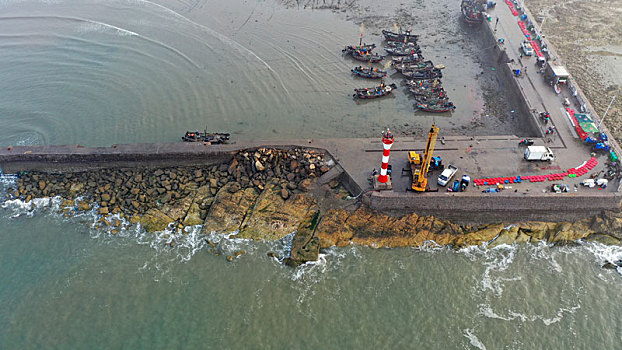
(420, 166)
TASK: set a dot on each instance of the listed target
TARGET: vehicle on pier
(369, 72)
(211, 137)
(538, 153)
(446, 175)
(420, 166)
(375, 92)
(526, 47)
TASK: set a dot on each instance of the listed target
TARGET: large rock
(155, 220)
(305, 246)
(193, 217)
(506, 236)
(485, 234)
(229, 210)
(178, 209)
(332, 229)
(567, 232)
(271, 218)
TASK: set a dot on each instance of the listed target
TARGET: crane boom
(420, 176)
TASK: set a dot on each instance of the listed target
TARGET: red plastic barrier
(536, 48)
(511, 6)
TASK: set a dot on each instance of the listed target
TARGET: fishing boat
(369, 72)
(375, 92)
(367, 56)
(358, 48)
(413, 66)
(424, 83)
(401, 36)
(402, 50)
(436, 108)
(472, 11)
(402, 44)
(211, 137)
(423, 74)
(416, 58)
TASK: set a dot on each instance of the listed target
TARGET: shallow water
(103, 72)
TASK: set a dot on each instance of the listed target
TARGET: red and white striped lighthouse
(387, 142)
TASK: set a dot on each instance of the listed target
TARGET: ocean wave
(487, 311)
(473, 339)
(497, 259)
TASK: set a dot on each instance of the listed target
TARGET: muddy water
(103, 72)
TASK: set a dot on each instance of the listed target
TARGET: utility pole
(604, 115)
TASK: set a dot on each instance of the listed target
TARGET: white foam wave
(495, 260)
(604, 253)
(487, 311)
(468, 333)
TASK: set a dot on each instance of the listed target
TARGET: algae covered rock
(332, 230)
(272, 217)
(228, 210)
(155, 220)
(506, 236)
(193, 217)
(305, 246)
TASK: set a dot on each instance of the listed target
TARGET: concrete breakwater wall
(474, 207)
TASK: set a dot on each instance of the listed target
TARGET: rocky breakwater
(262, 194)
(365, 227)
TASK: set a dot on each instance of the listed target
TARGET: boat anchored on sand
(369, 72)
(375, 92)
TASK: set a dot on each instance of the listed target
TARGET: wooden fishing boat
(432, 100)
(422, 74)
(369, 72)
(402, 50)
(375, 92)
(358, 48)
(413, 66)
(211, 137)
(422, 92)
(424, 83)
(367, 57)
(436, 108)
(472, 11)
(416, 58)
(401, 36)
(402, 44)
